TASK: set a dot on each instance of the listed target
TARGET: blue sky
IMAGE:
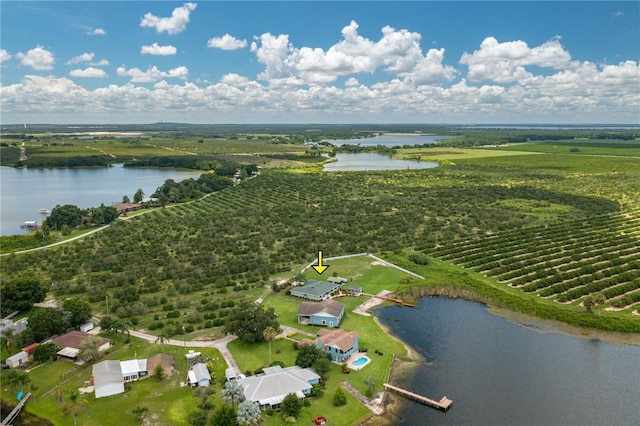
(306, 62)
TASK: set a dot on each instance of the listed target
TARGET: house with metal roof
(198, 375)
(315, 290)
(270, 388)
(70, 344)
(327, 313)
(107, 378)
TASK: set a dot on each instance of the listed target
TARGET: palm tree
(9, 337)
(599, 299)
(162, 339)
(232, 393)
(72, 407)
(249, 413)
(16, 379)
(269, 334)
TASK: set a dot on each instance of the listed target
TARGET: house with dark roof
(339, 344)
(270, 389)
(70, 344)
(327, 313)
(107, 378)
(315, 290)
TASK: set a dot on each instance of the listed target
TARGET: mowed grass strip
(454, 154)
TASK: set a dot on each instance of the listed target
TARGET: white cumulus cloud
(85, 57)
(88, 73)
(37, 58)
(506, 62)
(152, 74)
(398, 52)
(226, 42)
(157, 50)
(175, 24)
(100, 63)
(97, 31)
(4, 55)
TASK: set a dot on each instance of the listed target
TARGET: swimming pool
(360, 361)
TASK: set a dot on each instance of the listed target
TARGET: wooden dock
(14, 413)
(392, 299)
(444, 404)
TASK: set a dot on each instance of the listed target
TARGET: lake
(501, 373)
(391, 140)
(25, 191)
(373, 161)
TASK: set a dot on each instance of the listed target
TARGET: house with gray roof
(270, 388)
(315, 290)
(198, 375)
(107, 378)
(327, 313)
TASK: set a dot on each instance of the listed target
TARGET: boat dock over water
(31, 224)
(444, 404)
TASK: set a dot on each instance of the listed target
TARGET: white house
(107, 378)
(198, 375)
(270, 389)
(133, 369)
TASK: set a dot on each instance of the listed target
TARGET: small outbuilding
(17, 360)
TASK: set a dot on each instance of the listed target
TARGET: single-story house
(327, 312)
(338, 343)
(17, 360)
(31, 348)
(126, 207)
(134, 369)
(165, 360)
(198, 375)
(107, 378)
(70, 344)
(315, 290)
(270, 388)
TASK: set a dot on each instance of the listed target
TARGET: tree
(126, 199)
(68, 214)
(73, 405)
(291, 405)
(599, 299)
(223, 416)
(249, 413)
(232, 393)
(269, 334)
(138, 196)
(45, 323)
(162, 338)
(45, 353)
(16, 379)
(339, 398)
(588, 303)
(140, 412)
(248, 321)
(198, 418)
(89, 349)
(78, 309)
(371, 387)
(203, 393)
(158, 372)
(20, 293)
(312, 356)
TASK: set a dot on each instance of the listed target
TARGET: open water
(501, 373)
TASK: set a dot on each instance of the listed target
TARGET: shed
(31, 348)
(18, 359)
(107, 378)
(86, 327)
